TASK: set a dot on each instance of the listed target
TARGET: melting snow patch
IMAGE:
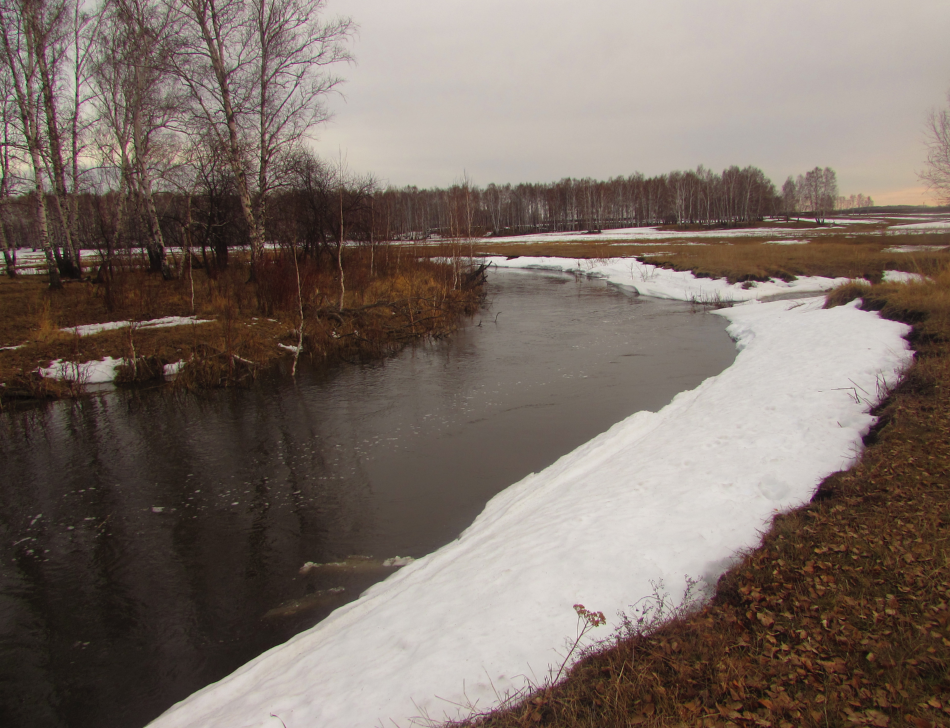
(915, 248)
(933, 224)
(90, 372)
(170, 371)
(899, 276)
(90, 329)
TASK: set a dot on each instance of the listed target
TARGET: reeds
(391, 299)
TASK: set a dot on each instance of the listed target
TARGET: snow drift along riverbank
(659, 496)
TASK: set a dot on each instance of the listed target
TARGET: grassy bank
(840, 617)
(245, 325)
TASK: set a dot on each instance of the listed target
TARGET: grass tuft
(847, 293)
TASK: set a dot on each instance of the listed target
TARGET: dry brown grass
(840, 617)
(402, 300)
(741, 261)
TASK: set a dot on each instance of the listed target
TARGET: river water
(152, 542)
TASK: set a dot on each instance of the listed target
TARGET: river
(152, 542)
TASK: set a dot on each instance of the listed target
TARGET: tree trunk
(67, 220)
(9, 254)
(212, 41)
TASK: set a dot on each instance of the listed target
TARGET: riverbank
(839, 617)
(659, 497)
(217, 328)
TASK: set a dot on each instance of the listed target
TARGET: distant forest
(312, 207)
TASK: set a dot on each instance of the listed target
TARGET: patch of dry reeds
(391, 299)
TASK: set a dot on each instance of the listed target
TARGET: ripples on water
(152, 543)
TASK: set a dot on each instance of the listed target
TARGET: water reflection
(152, 543)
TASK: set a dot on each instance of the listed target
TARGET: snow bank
(97, 371)
(649, 280)
(659, 496)
(90, 372)
(159, 323)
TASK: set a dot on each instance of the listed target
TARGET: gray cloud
(526, 90)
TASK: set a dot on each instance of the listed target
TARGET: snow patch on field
(90, 372)
(170, 371)
(915, 248)
(99, 371)
(931, 225)
(646, 235)
(900, 276)
(660, 496)
(159, 323)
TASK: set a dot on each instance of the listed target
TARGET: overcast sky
(536, 90)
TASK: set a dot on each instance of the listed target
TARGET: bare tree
(137, 105)
(937, 172)
(10, 143)
(789, 198)
(294, 46)
(818, 190)
(20, 57)
(48, 23)
(255, 72)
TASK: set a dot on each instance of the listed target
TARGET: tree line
(698, 197)
(151, 125)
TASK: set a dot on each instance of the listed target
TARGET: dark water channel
(152, 543)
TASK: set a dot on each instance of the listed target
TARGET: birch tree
(255, 70)
(20, 58)
(48, 27)
(789, 198)
(937, 172)
(10, 143)
(137, 105)
(818, 190)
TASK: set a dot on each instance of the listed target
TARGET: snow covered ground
(90, 372)
(915, 249)
(159, 323)
(929, 226)
(661, 496)
(650, 280)
(649, 235)
(899, 276)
